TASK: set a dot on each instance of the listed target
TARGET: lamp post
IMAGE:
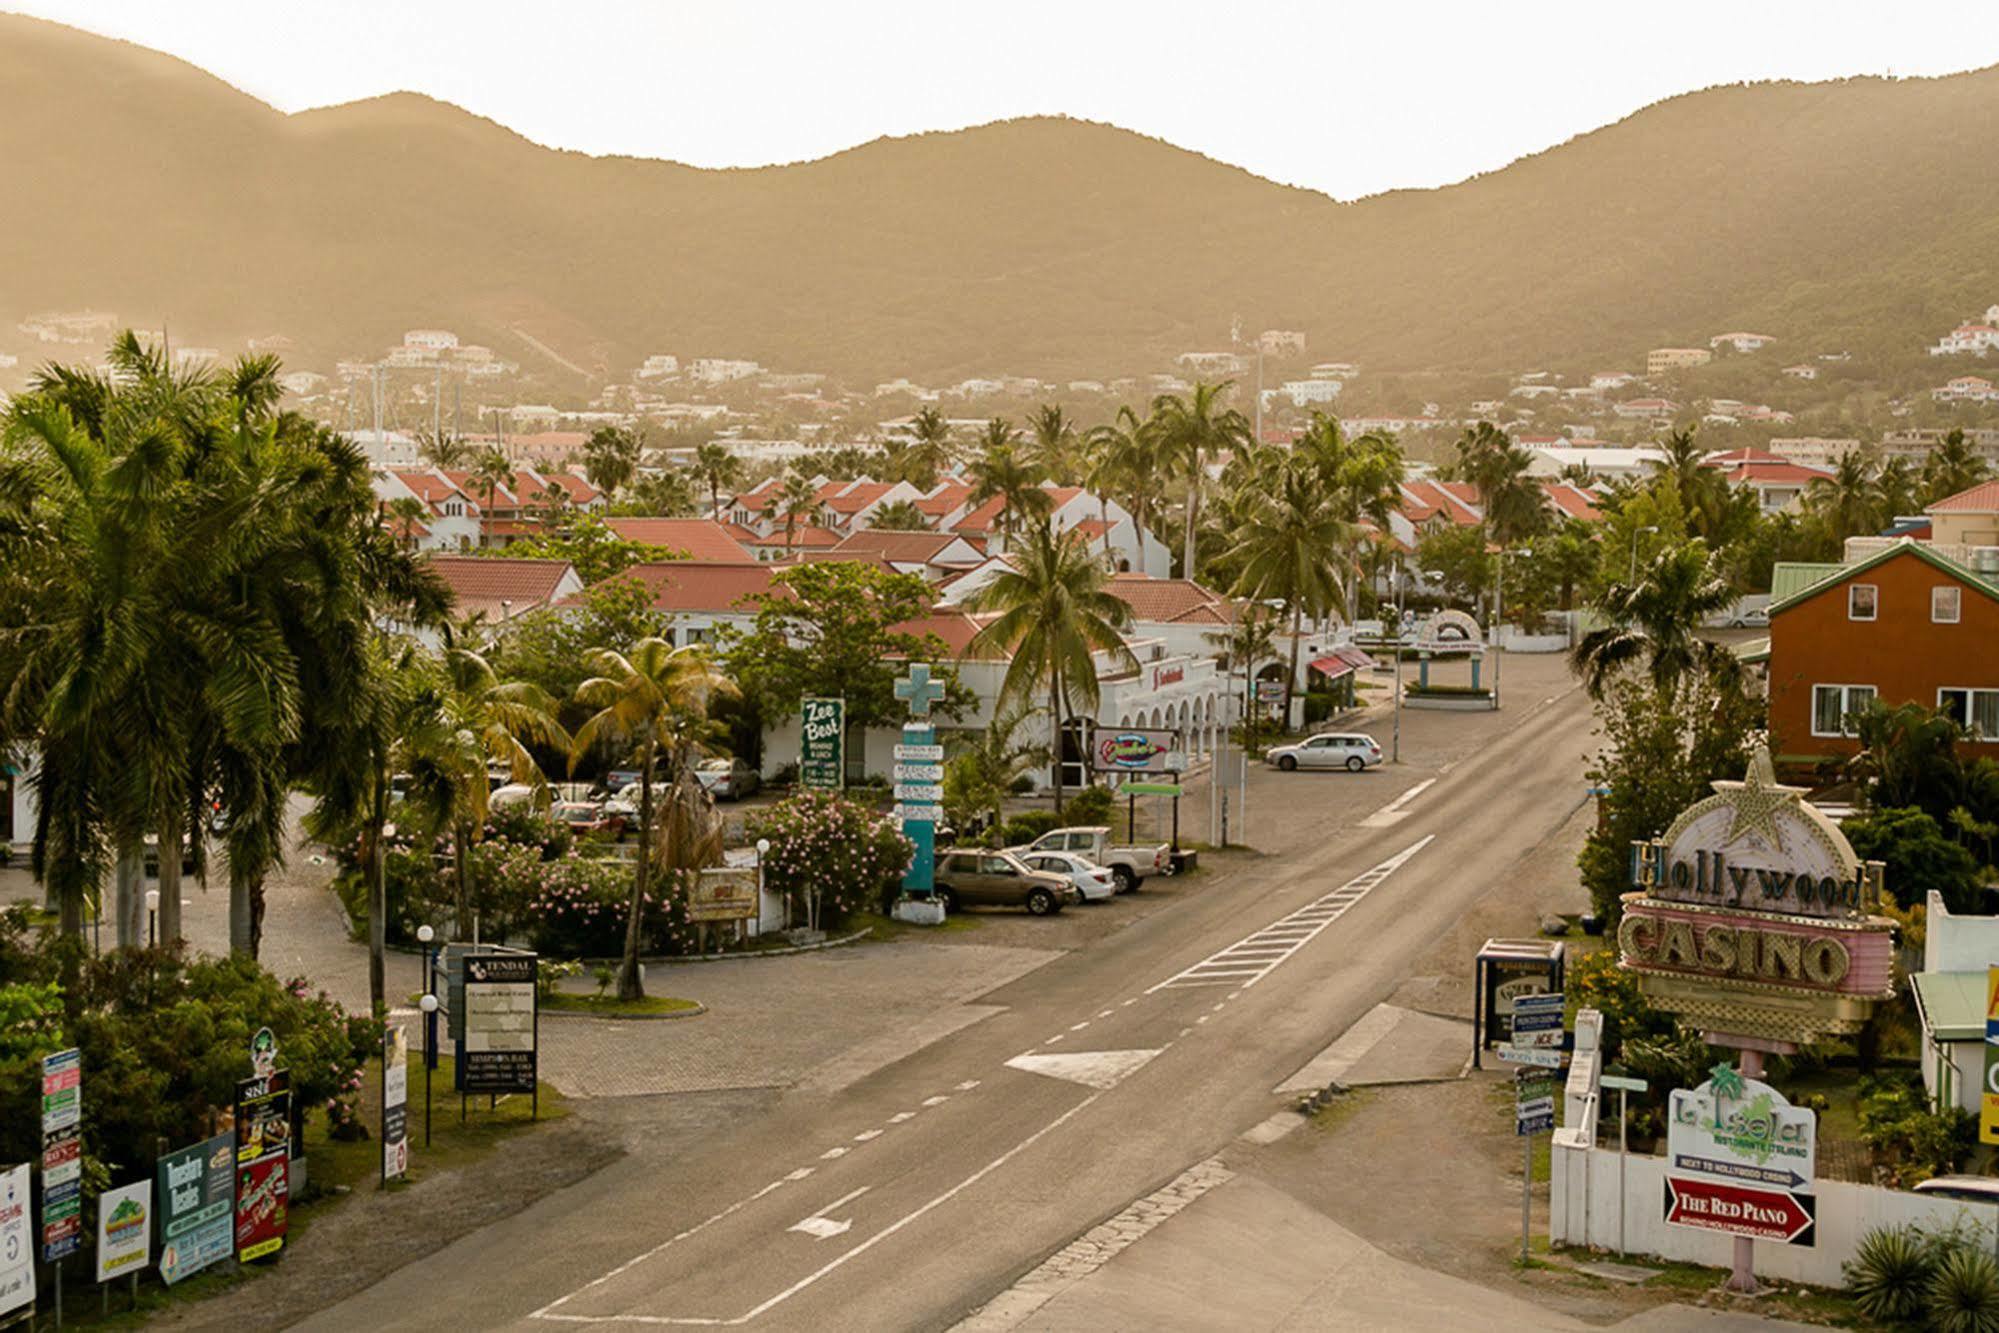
(152, 918)
(424, 935)
(1633, 576)
(429, 1006)
(763, 850)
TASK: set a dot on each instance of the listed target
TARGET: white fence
(1584, 1203)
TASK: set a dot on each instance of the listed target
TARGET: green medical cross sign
(918, 690)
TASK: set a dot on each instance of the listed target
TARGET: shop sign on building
(1132, 750)
(1753, 917)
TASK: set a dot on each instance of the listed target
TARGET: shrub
(1911, 1141)
(1963, 1294)
(1092, 805)
(1595, 981)
(834, 855)
(527, 827)
(1889, 1274)
(1027, 826)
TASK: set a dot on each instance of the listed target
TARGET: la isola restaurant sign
(1753, 917)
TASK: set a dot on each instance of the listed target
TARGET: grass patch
(1339, 1110)
(888, 928)
(610, 1006)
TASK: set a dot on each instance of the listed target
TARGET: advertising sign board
(1131, 750)
(1542, 1057)
(124, 1229)
(263, 1161)
(500, 1023)
(395, 1101)
(1533, 1102)
(1988, 1101)
(822, 736)
(1741, 1129)
(723, 893)
(1741, 1210)
(17, 1244)
(1508, 970)
(62, 1160)
(197, 1196)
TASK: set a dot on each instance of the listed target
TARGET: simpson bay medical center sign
(1752, 916)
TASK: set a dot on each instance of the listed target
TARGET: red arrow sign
(1741, 1210)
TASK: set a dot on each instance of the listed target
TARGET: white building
(1212, 363)
(1966, 389)
(1549, 460)
(977, 387)
(431, 340)
(195, 358)
(302, 383)
(1281, 342)
(1803, 371)
(658, 366)
(1742, 342)
(1813, 450)
(1610, 379)
(75, 326)
(1304, 392)
(1335, 370)
(1950, 1002)
(388, 448)
(718, 370)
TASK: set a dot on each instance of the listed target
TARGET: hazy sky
(1350, 98)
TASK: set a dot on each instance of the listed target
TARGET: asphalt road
(909, 1198)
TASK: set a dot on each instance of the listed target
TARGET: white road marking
(1078, 1027)
(801, 1173)
(1128, 1003)
(832, 1153)
(901, 1116)
(1254, 957)
(1102, 1070)
(867, 1134)
(821, 1227)
(548, 1311)
(938, 1100)
(967, 1085)
(1104, 1014)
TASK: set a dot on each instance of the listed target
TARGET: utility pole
(437, 405)
(1397, 755)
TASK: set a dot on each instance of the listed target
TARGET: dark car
(998, 879)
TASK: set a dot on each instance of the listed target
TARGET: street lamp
(152, 917)
(424, 935)
(763, 850)
(1650, 527)
(429, 1006)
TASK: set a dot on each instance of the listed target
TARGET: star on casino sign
(1756, 801)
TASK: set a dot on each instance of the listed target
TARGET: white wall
(1846, 1213)
(1954, 943)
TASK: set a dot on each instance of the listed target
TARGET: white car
(1350, 750)
(1092, 881)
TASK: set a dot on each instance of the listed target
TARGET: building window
(1862, 600)
(1833, 707)
(1977, 710)
(1944, 602)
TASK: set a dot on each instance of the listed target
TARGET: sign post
(822, 744)
(196, 1198)
(1988, 1101)
(1537, 1039)
(395, 1101)
(722, 894)
(919, 777)
(17, 1243)
(502, 1025)
(62, 1162)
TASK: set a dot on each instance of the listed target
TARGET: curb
(696, 1012)
(416, 951)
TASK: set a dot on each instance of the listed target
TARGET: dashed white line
(1078, 1027)
(938, 1100)
(901, 1116)
(867, 1134)
(967, 1085)
(1252, 958)
(832, 1153)
(801, 1173)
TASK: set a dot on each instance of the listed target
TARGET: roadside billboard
(1131, 750)
(196, 1199)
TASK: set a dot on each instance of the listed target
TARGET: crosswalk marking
(1254, 957)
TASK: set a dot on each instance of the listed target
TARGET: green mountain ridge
(1856, 214)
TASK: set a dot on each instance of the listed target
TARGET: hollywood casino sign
(1752, 916)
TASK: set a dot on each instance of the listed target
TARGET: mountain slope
(1828, 214)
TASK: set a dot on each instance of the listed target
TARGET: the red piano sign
(1741, 1210)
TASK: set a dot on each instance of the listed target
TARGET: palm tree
(1513, 504)
(1053, 612)
(1055, 443)
(1362, 478)
(1248, 641)
(441, 449)
(929, 451)
(899, 516)
(718, 467)
(1192, 431)
(1657, 621)
(1125, 458)
(1952, 467)
(1001, 473)
(611, 457)
(1849, 500)
(490, 471)
(797, 499)
(652, 703)
(482, 721)
(985, 764)
(1289, 549)
(408, 514)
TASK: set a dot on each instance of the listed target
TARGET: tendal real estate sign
(500, 1023)
(197, 1199)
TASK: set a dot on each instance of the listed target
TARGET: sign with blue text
(918, 800)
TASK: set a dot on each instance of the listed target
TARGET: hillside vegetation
(1862, 214)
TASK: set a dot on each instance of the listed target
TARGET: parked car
(589, 817)
(514, 794)
(727, 779)
(1754, 617)
(977, 878)
(1128, 865)
(1091, 881)
(1350, 750)
(1972, 1189)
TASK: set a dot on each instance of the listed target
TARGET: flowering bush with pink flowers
(841, 854)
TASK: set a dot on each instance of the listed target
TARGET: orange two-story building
(1905, 625)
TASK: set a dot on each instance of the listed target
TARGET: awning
(1951, 1004)
(1340, 662)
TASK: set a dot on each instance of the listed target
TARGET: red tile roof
(692, 585)
(1573, 500)
(858, 496)
(944, 497)
(1980, 499)
(698, 538)
(904, 547)
(433, 489)
(956, 629)
(805, 536)
(981, 520)
(482, 582)
(1170, 601)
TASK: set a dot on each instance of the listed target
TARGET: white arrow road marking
(1393, 813)
(1102, 1070)
(821, 1227)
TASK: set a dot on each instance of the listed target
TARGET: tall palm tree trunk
(461, 867)
(378, 888)
(1291, 678)
(172, 834)
(241, 888)
(129, 896)
(1055, 725)
(1193, 516)
(630, 985)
